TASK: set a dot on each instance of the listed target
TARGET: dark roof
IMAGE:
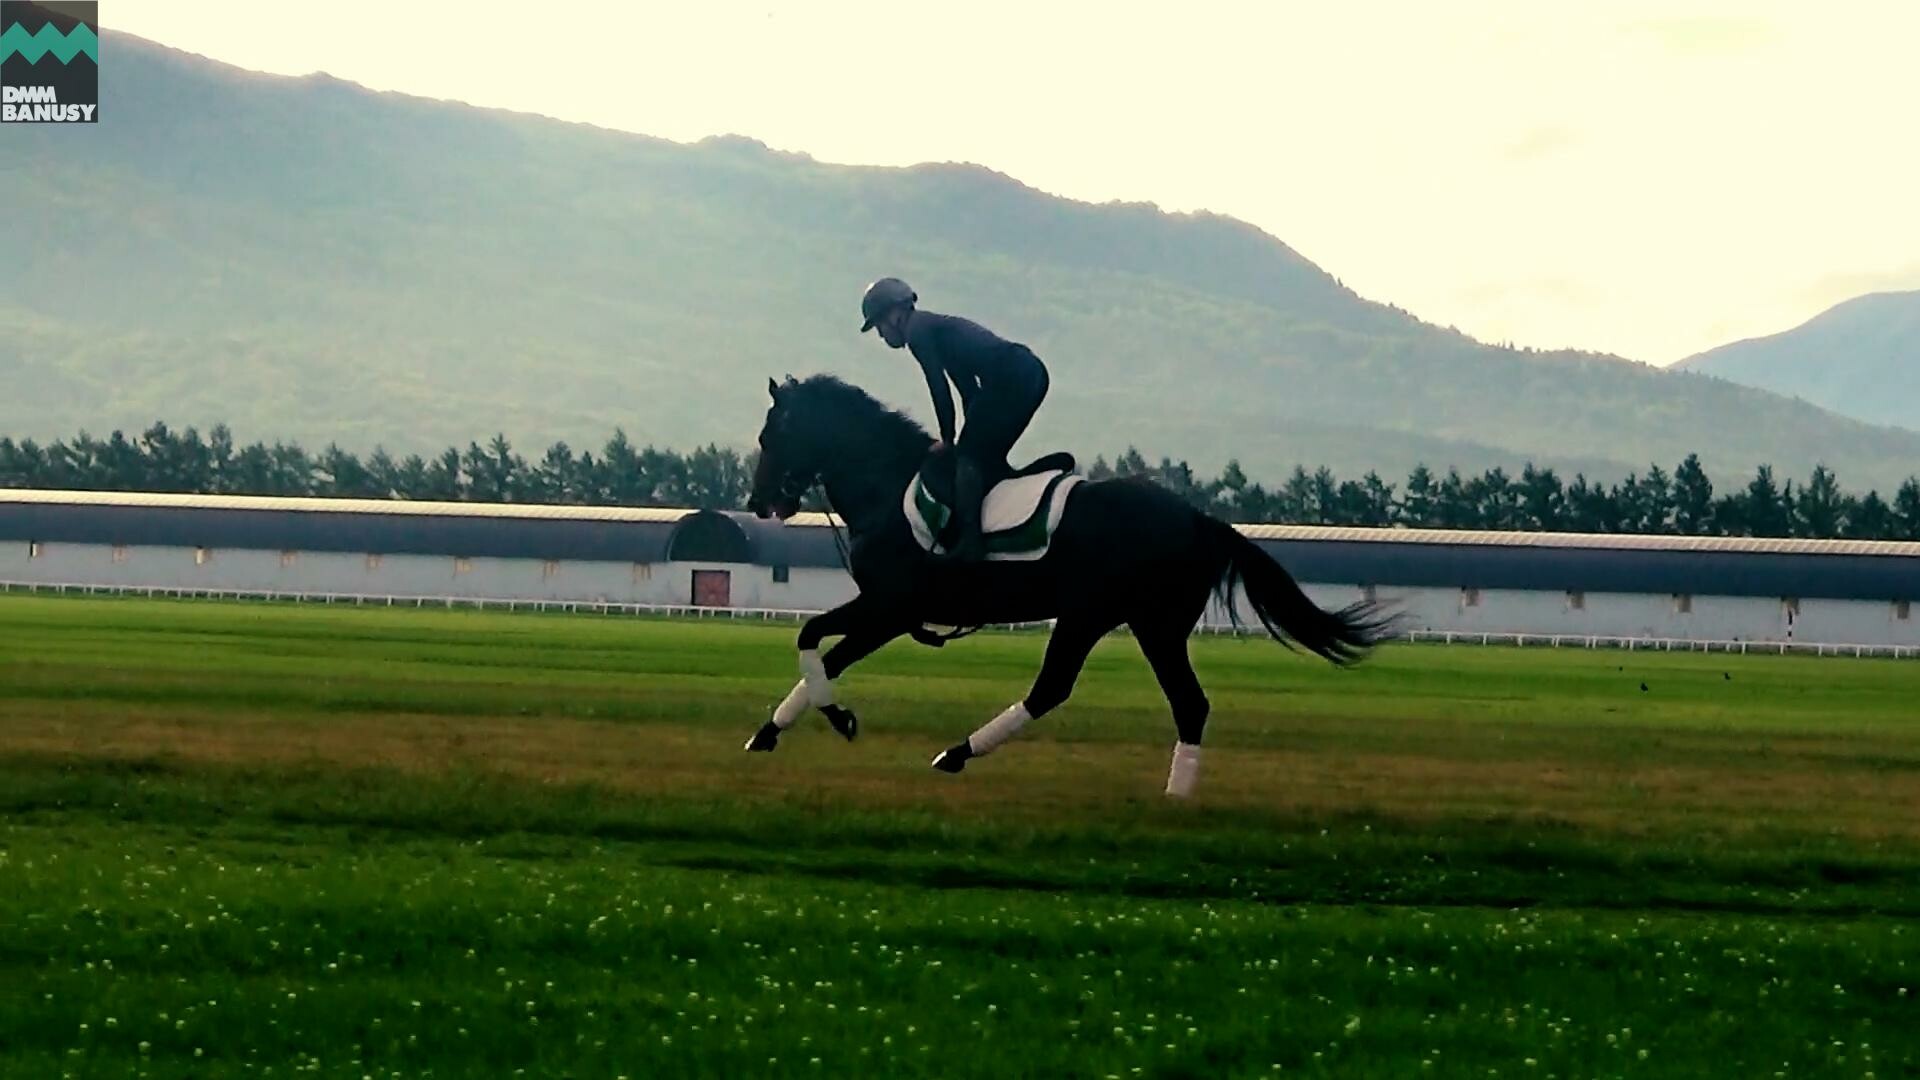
(1600, 570)
(1589, 562)
(810, 543)
(373, 533)
(1706, 566)
(731, 536)
(481, 530)
(1759, 545)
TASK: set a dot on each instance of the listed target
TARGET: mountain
(306, 259)
(1860, 358)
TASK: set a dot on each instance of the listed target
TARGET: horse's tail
(1344, 637)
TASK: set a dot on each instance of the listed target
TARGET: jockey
(1001, 385)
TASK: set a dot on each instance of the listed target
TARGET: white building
(1541, 584)
(1719, 589)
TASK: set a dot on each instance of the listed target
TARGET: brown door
(712, 588)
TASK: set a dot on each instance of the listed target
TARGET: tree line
(1681, 502)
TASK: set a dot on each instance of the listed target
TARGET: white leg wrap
(1185, 770)
(792, 708)
(814, 675)
(999, 729)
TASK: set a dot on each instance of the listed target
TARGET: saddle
(1022, 508)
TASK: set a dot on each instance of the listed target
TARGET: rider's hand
(939, 447)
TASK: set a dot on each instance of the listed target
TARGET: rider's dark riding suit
(1001, 385)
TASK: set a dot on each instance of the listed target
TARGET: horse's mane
(832, 395)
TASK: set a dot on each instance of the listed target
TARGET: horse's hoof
(843, 721)
(765, 739)
(953, 759)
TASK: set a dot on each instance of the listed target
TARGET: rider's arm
(942, 398)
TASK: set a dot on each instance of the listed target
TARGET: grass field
(265, 840)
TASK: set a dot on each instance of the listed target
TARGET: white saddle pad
(1017, 518)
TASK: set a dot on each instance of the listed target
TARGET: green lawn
(249, 838)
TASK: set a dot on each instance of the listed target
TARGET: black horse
(1126, 552)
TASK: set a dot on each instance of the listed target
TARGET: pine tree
(1820, 507)
(1296, 505)
(1326, 497)
(1656, 510)
(220, 454)
(383, 474)
(1378, 500)
(1230, 492)
(1870, 519)
(342, 476)
(1765, 506)
(1417, 505)
(446, 478)
(1591, 507)
(1453, 506)
(555, 478)
(1692, 499)
(1496, 503)
(412, 479)
(1542, 499)
(620, 466)
(1906, 510)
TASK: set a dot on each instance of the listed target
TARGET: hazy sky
(1650, 179)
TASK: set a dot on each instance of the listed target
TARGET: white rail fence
(597, 607)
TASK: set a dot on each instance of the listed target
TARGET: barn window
(462, 564)
(1903, 610)
(120, 553)
(1576, 601)
(642, 572)
(373, 561)
(782, 574)
(34, 550)
(202, 556)
(1683, 603)
(288, 558)
(549, 569)
(1469, 597)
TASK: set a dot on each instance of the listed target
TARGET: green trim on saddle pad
(1025, 539)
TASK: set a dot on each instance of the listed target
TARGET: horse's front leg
(863, 627)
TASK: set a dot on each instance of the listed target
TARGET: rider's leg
(969, 494)
(995, 423)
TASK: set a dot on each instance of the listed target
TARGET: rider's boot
(969, 492)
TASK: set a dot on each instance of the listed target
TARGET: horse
(1125, 552)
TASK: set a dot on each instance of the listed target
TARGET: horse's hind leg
(1163, 638)
(1067, 653)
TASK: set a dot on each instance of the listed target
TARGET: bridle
(794, 486)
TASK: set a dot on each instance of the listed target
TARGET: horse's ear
(773, 388)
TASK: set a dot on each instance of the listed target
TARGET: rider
(1001, 385)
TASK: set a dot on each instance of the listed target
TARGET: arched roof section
(710, 536)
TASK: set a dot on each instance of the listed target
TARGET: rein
(798, 488)
(844, 548)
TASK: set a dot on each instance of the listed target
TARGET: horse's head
(787, 466)
(822, 430)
